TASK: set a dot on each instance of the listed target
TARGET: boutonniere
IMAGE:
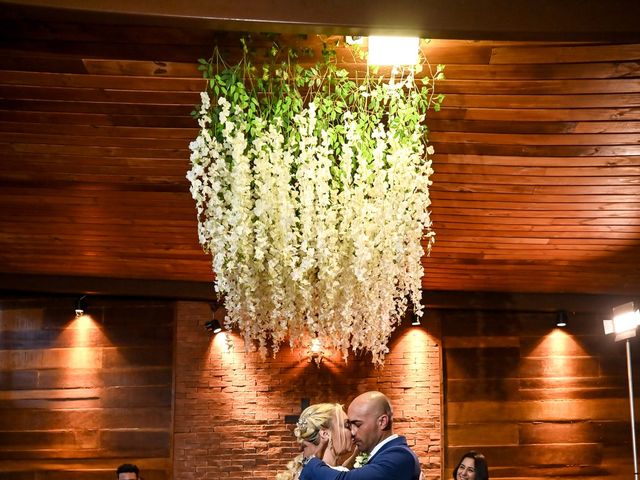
(361, 460)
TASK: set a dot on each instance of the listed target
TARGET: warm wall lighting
(393, 50)
(80, 306)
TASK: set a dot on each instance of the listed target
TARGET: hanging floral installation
(312, 194)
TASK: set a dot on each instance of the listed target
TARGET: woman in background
(472, 466)
(320, 421)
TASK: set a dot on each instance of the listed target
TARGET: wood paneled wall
(537, 400)
(80, 396)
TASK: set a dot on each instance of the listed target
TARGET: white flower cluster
(361, 460)
(308, 240)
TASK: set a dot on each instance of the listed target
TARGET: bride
(322, 421)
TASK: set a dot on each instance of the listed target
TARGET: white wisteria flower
(316, 217)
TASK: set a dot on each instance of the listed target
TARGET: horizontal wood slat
(537, 155)
(538, 401)
(80, 396)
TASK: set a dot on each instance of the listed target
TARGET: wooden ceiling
(537, 165)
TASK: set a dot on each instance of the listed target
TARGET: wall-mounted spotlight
(81, 306)
(561, 319)
(411, 315)
(213, 326)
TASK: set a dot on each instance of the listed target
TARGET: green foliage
(273, 85)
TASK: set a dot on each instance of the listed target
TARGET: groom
(371, 424)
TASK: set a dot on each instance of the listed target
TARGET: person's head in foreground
(322, 421)
(370, 420)
(472, 466)
(127, 471)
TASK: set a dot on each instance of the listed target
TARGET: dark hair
(127, 468)
(480, 465)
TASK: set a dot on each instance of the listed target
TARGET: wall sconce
(624, 324)
(561, 319)
(315, 352)
(214, 326)
(393, 50)
(81, 306)
(415, 320)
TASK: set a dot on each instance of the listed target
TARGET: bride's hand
(348, 463)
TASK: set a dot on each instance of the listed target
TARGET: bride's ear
(325, 434)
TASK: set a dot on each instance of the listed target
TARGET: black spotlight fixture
(411, 316)
(81, 306)
(213, 326)
(561, 319)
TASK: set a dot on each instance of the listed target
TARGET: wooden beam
(480, 19)
(188, 290)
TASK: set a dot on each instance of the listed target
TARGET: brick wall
(230, 405)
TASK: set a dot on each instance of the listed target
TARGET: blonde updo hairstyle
(329, 417)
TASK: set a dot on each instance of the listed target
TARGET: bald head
(373, 403)
(371, 419)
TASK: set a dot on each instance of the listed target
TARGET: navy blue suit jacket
(394, 461)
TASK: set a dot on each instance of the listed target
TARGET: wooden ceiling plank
(100, 95)
(537, 150)
(95, 120)
(547, 207)
(544, 180)
(493, 86)
(170, 142)
(48, 129)
(592, 113)
(515, 126)
(113, 82)
(538, 161)
(73, 106)
(536, 138)
(569, 173)
(565, 54)
(543, 101)
(543, 71)
(147, 68)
